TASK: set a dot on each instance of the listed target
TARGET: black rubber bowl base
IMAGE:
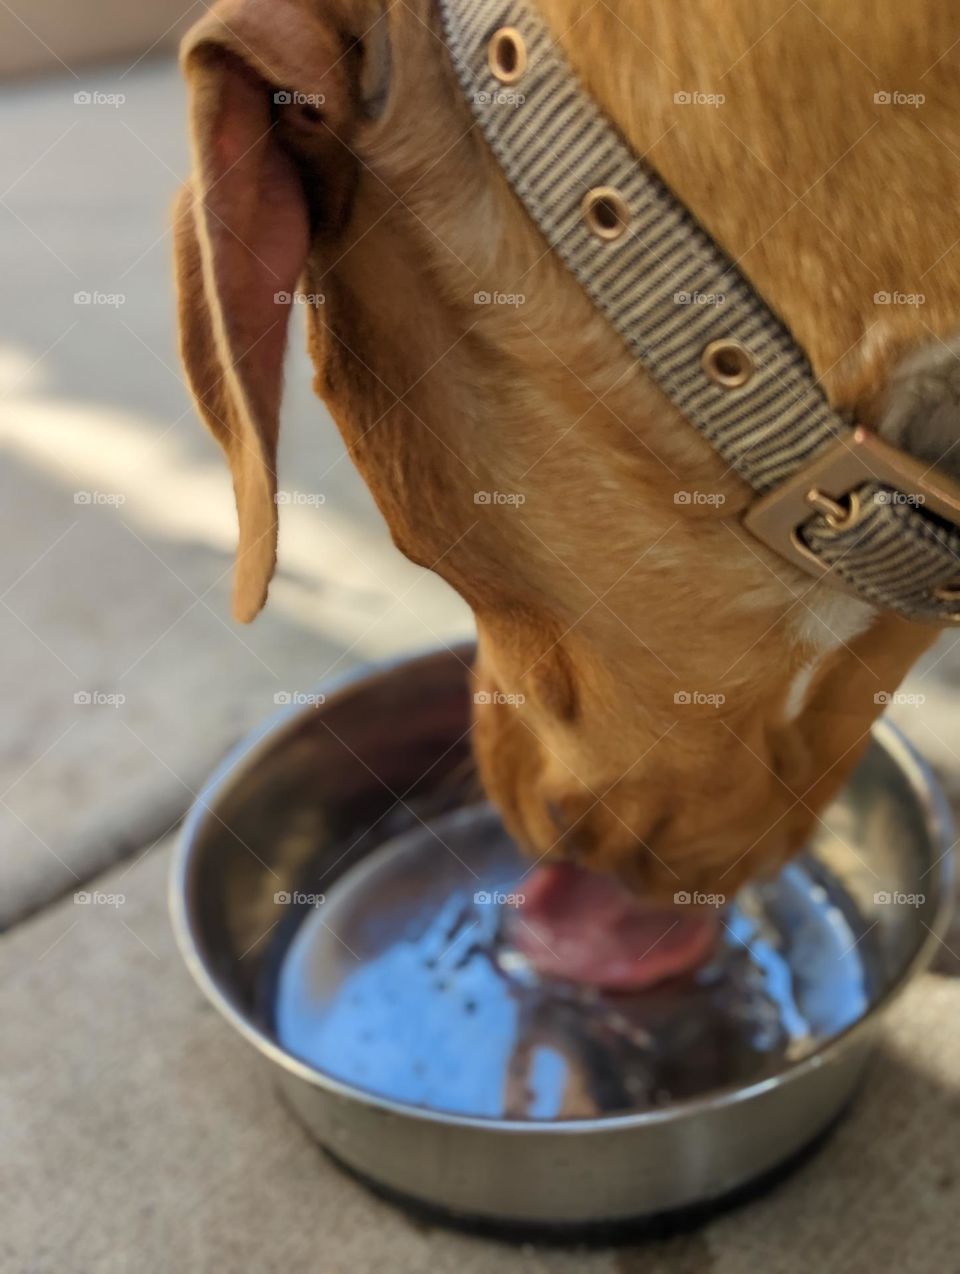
(596, 1234)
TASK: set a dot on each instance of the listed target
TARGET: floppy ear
(242, 235)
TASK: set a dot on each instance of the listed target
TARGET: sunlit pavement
(124, 677)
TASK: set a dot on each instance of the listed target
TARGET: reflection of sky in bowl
(400, 984)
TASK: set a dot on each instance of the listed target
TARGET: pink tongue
(584, 927)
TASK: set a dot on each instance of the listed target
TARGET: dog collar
(832, 498)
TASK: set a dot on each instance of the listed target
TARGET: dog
(660, 696)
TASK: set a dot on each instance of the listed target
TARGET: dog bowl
(339, 891)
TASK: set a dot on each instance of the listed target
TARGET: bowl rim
(245, 754)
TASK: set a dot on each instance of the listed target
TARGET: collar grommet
(727, 363)
(507, 55)
(606, 212)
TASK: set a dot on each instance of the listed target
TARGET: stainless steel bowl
(309, 804)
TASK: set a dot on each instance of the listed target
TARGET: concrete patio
(136, 1132)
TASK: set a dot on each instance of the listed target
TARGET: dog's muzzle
(832, 498)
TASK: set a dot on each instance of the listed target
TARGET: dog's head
(657, 693)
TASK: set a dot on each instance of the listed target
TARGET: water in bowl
(402, 982)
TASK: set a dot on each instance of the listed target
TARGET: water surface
(402, 982)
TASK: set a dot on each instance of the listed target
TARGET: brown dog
(600, 601)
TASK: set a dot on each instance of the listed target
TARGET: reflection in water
(402, 983)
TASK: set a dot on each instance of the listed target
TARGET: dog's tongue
(584, 927)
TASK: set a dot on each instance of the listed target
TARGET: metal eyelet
(727, 363)
(606, 212)
(839, 517)
(507, 55)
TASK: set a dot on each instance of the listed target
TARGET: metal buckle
(828, 486)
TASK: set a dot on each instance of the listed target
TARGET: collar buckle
(828, 485)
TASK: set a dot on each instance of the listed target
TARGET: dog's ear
(263, 76)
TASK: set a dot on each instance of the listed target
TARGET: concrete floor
(127, 594)
(136, 1133)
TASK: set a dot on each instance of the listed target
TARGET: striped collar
(833, 499)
